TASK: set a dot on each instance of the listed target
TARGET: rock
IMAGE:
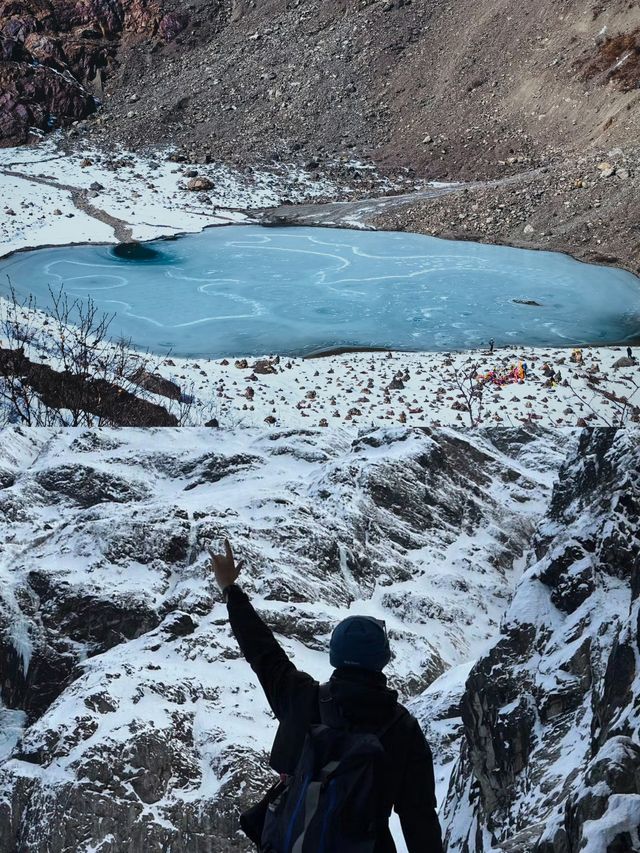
(200, 184)
(528, 302)
(96, 186)
(264, 366)
(32, 94)
(606, 170)
(624, 362)
(528, 229)
(535, 692)
(179, 625)
(156, 384)
(87, 486)
(171, 25)
(395, 384)
(601, 37)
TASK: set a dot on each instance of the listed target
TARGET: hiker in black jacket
(359, 650)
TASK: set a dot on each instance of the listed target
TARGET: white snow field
(141, 721)
(46, 195)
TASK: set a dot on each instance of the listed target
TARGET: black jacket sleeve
(416, 802)
(280, 679)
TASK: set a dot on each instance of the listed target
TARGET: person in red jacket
(359, 650)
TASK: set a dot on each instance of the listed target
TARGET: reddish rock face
(55, 56)
(36, 96)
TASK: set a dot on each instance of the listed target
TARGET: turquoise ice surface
(247, 290)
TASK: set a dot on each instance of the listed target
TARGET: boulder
(156, 384)
(199, 184)
(264, 366)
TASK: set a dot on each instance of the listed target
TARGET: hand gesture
(224, 567)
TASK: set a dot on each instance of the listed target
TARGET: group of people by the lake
(518, 372)
(515, 373)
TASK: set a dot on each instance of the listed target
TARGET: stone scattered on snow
(199, 184)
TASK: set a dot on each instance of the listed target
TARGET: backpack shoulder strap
(329, 712)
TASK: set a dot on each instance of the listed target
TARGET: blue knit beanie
(360, 641)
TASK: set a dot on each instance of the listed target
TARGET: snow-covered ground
(153, 728)
(353, 388)
(46, 195)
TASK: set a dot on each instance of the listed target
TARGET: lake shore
(149, 199)
(362, 389)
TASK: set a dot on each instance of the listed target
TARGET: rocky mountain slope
(128, 720)
(458, 89)
(551, 756)
(56, 57)
(356, 91)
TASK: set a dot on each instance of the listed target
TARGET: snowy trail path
(122, 231)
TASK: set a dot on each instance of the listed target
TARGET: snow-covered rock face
(129, 721)
(551, 715)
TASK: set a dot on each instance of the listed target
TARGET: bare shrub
(471, 389)
(85, 367)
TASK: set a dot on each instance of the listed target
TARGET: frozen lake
(247, 290)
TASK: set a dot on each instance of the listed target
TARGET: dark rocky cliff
(551, 756)
(55, 57)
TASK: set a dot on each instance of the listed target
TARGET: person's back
(360, 702)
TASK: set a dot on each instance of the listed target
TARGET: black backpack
(336, 801)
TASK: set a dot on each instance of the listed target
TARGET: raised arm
(278, 676)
